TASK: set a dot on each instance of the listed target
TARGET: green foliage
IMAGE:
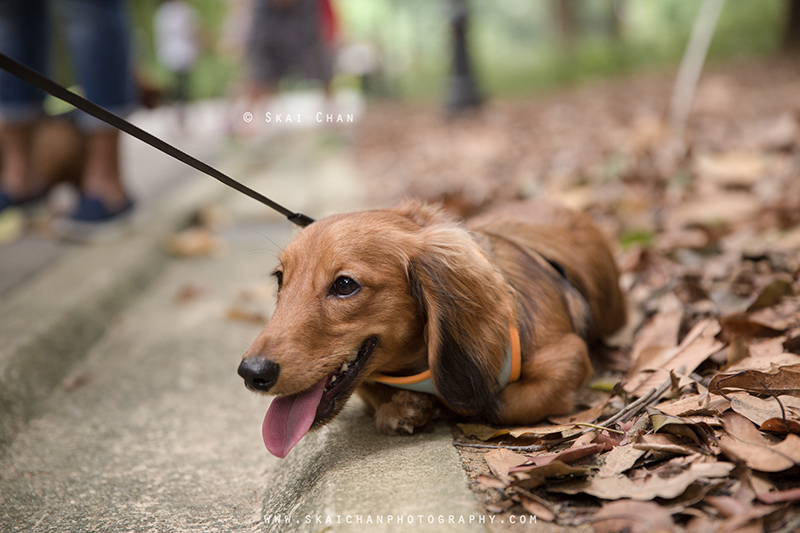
(514, 43)
(643, 238)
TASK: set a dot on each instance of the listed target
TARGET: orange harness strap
(423, 381)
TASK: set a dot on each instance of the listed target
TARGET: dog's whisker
(278, 249)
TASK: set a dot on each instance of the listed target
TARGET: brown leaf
(491, 482)
(618, 487)
(702, 524)
(742, 326)
(743, 442)
(765, 356)
(755, 409)
(792, 345)
(784, 380)
(632, 516)
(193, 242)
(790, 495)
(698, 345)
(697, 433)
(729, 506)
(542, 431)
(536, 509)
(781, 425)
(567, 456)
(188, 293)
(749, 521)
(772, 348)
(661, 332)
(737, 351)
(499, 507)
(669, 444)
(694, 494)
(619, 459)
(695, 404)
(734, 169)
(245, 315)
(481, 432)
(588, 416)
(500, 461)
(73, 383)
(771, 295)
(610, 440)
(554, 469)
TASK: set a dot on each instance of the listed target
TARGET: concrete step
(156, 431)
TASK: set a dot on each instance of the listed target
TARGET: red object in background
(329, 23)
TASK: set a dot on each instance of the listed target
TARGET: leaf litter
(694, 427)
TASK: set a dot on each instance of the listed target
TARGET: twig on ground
(625, 414)
(531, 448)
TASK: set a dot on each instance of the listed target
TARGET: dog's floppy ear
(468, 308)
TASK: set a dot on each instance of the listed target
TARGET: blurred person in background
(290, 37)
(176, 31)
(97, 33)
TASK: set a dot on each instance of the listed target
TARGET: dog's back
(571, 241)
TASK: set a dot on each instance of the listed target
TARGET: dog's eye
(278, 275)
(344, 286)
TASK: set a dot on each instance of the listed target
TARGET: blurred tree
(463, 90)
(791, 37)
(567, 21)
(616, 13)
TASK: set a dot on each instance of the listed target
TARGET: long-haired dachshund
(424, 316)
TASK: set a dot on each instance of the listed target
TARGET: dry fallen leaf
(619, 459)
(618, 487)
(695, 404)
(744, 327)
(784, 380)
(781, 425)
(753, 408)
(246, 315)
(791, 495)
(500, 461)
(536, 508)
(743, 442)
(633, 517)
(188, 293)
(567, 456)
(491, 482)
(588, 416)
(698, 345)
(481, 432)
(771, 295)
(193, 242)
(667, 444)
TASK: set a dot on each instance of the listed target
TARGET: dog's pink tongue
(289, 419)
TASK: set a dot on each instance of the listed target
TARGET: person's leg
(102, 177)
(98, 33)
(24, 36)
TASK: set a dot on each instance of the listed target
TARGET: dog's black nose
(259, 374)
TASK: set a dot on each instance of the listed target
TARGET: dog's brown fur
(440, 295)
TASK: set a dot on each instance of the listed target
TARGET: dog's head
(391, 292)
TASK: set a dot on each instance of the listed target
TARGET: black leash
(46, 84)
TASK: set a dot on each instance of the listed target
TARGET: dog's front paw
(405, 412)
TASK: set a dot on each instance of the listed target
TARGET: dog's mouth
(289, 418)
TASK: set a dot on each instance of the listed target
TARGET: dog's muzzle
(259, 374)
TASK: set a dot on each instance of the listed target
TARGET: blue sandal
(93, 221)
(7, 201)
